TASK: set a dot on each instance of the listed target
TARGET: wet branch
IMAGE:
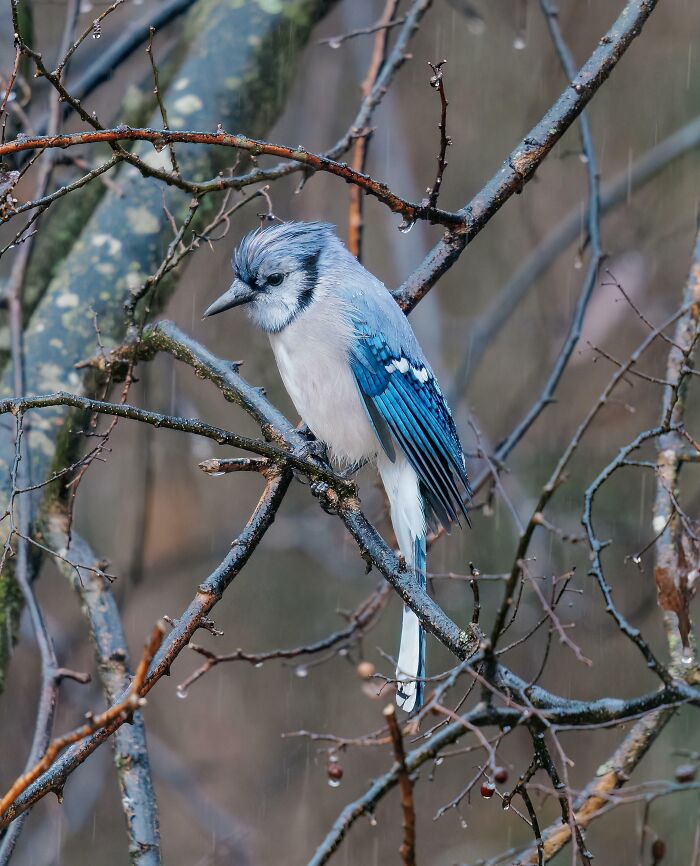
(361, 148)
(359, 622)
(114, 716)
(408, 846)
(167, 137)
(208, 595)
(131, 758)
(437, 82)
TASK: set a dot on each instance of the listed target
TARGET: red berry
(335, 771)
(487, 790)
(500, 775)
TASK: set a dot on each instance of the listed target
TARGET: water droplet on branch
(686, 773)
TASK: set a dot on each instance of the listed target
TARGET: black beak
(239, 293)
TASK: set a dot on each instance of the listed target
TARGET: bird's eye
(275, 279)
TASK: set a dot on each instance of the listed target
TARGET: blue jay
(357, 376)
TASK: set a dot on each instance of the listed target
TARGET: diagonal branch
(611, 776)
(209, 594)
(520, 166)
(116, 715)
(595, 798)
(335, 494)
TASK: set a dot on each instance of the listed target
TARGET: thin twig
(361, 147)
(438, 83)
(408, 846)
(381, 25)
(159, 99)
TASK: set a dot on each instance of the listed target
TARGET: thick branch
(335, 493)
(676, 549)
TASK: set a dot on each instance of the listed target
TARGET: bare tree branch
(130, 753)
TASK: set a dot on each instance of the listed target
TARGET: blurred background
(231, 789)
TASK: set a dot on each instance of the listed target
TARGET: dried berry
(686, 772)
(500, 775)
(365, 670)
(487, 790)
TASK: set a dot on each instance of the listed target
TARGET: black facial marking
(309, 267)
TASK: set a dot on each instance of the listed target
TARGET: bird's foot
(327, 497)
(312, 447)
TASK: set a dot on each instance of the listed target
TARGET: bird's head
(276, 272)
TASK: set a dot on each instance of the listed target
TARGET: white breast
(312, 356)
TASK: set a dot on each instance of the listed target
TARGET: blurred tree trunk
(239, 64)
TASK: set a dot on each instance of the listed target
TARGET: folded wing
(405, 405)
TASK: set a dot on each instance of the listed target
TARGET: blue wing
(404, 401)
